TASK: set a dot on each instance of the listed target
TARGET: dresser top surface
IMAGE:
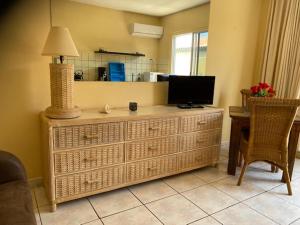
(119, 114)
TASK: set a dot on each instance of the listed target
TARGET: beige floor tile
(210, 174)
(209, 198)
(222, 165)
(152, 191)
(40, 195)
(275, 208)
(260, 165)
(136, 216)
(282, 193)
(74, 212)
(297, 222)
(37, 216)
(297, 165)
(296, 175)
(262, 178)
(246, 190)
(94, 222)
(241, 214)
(184, 182)
(206, 221)
(176, 210)
(114, 201)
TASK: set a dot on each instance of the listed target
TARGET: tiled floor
(206, 196)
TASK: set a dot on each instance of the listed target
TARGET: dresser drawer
(198, 158)
(151, 128)
(193, 141)
(87, 159)
(138, 150)
(82, 183)
(87, 135)
(201, 122)
(143, 170)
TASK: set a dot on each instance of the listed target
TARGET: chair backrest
(246, 93)
(270, 124)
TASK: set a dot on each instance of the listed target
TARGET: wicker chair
(246, 93)
(270, 124)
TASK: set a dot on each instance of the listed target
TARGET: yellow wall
(232, 42)
(96, 27)
(191, 20)
(25, 88)
(24, 74)
(24, 80)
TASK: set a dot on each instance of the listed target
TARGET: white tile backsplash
(88, 62)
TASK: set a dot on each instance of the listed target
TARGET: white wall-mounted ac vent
(144, 30)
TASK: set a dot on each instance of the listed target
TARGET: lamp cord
(50, 13)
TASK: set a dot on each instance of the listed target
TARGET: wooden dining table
(240, 119)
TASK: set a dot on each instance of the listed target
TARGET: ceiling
(148, 7)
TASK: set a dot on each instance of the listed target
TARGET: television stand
(189, 106)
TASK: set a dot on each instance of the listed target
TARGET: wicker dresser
(101, 152)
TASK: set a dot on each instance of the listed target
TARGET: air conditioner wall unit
(144, 30)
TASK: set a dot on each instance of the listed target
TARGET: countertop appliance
(151, 76)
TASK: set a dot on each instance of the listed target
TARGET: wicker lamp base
(62, 79)
(63, 113)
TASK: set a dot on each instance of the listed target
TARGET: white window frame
(173, 55)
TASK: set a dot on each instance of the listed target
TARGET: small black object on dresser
(133, 106)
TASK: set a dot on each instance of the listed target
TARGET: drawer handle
(86, 137)
(92, 181)
(202, 122)
(198, 158)
(152, 168)
(151, 148)
(90, 159)
(200, 141)
(154, 128)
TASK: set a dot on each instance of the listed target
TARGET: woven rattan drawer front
(87, 135)
(152, 128)
(198, 158)
(87, 159)
(201, 122)
(193, 141)
(138, 150)
(150, 168)
(81, 183)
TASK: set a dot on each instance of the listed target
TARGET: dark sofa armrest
(11, 169)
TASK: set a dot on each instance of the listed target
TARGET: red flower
(262, 90)
(255, 89)
(264, 85)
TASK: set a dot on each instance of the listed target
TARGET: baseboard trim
(35, 182)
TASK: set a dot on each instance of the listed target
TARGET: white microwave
(151, 76)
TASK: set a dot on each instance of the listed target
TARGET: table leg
(235, 136)
(292, 149)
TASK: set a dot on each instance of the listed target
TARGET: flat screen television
(191, 91)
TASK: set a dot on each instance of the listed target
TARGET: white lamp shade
(60, 43)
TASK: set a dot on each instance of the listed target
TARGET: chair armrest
(11, 169)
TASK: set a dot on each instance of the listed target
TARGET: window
(189, 53)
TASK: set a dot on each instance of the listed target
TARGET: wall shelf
(101, 51)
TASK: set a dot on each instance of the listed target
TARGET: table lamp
(60, 43)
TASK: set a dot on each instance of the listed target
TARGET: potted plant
(262, 90)
(259, 90)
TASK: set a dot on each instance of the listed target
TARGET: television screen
(191, 89)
